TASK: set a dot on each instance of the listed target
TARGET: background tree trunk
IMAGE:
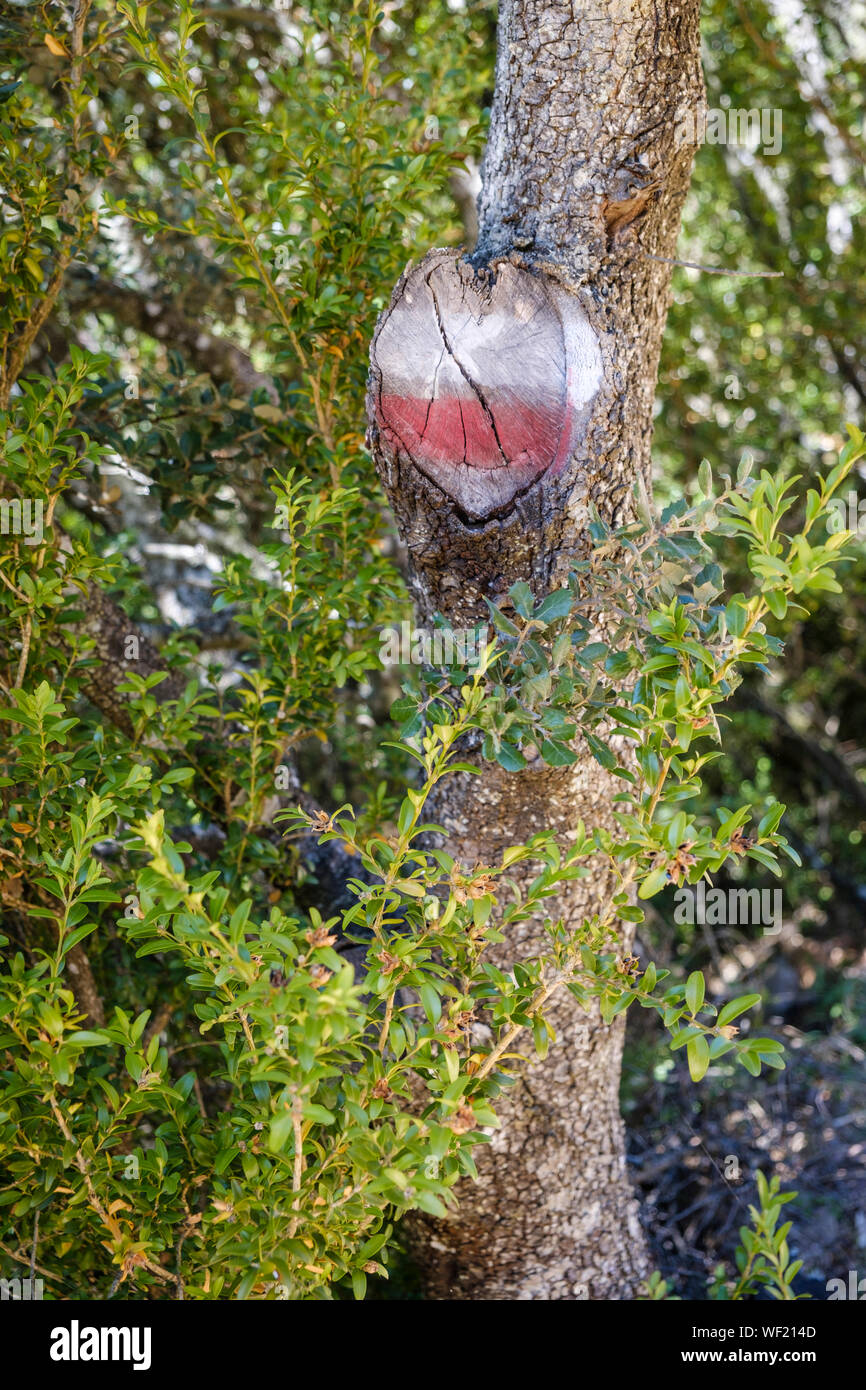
(507, 393)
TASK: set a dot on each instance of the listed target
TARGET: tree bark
(508, 392)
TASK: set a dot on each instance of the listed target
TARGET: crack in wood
(481, 380)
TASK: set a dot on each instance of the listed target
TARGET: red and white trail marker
(482, 386)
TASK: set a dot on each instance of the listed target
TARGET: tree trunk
(507, 393)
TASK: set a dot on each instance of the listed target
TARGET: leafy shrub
(201, 1092)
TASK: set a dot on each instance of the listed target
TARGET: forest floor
(694, 1150)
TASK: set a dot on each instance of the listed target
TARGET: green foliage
(344, 1100)
(657, 1290)
(762, 1257)
(767, 369)
(253, 1113)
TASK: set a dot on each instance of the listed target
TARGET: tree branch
(160, 319)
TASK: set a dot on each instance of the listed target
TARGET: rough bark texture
(111, 630)
(552, 1215)
(504, 367)
(509, 391)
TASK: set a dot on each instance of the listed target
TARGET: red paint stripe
(453, 430)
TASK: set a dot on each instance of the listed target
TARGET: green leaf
(735, 1007)
(557, 754)
(695, 992)
(556, 605)
(73, 937)
(540, 1036)
(698, 1054)
(777, 602)
(281, 1129)
(521, 596)
(89, 1038)
(510, 757)
(655, 880)
(431, 1002)
(429, 1202)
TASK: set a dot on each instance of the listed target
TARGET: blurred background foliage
(213, 205)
